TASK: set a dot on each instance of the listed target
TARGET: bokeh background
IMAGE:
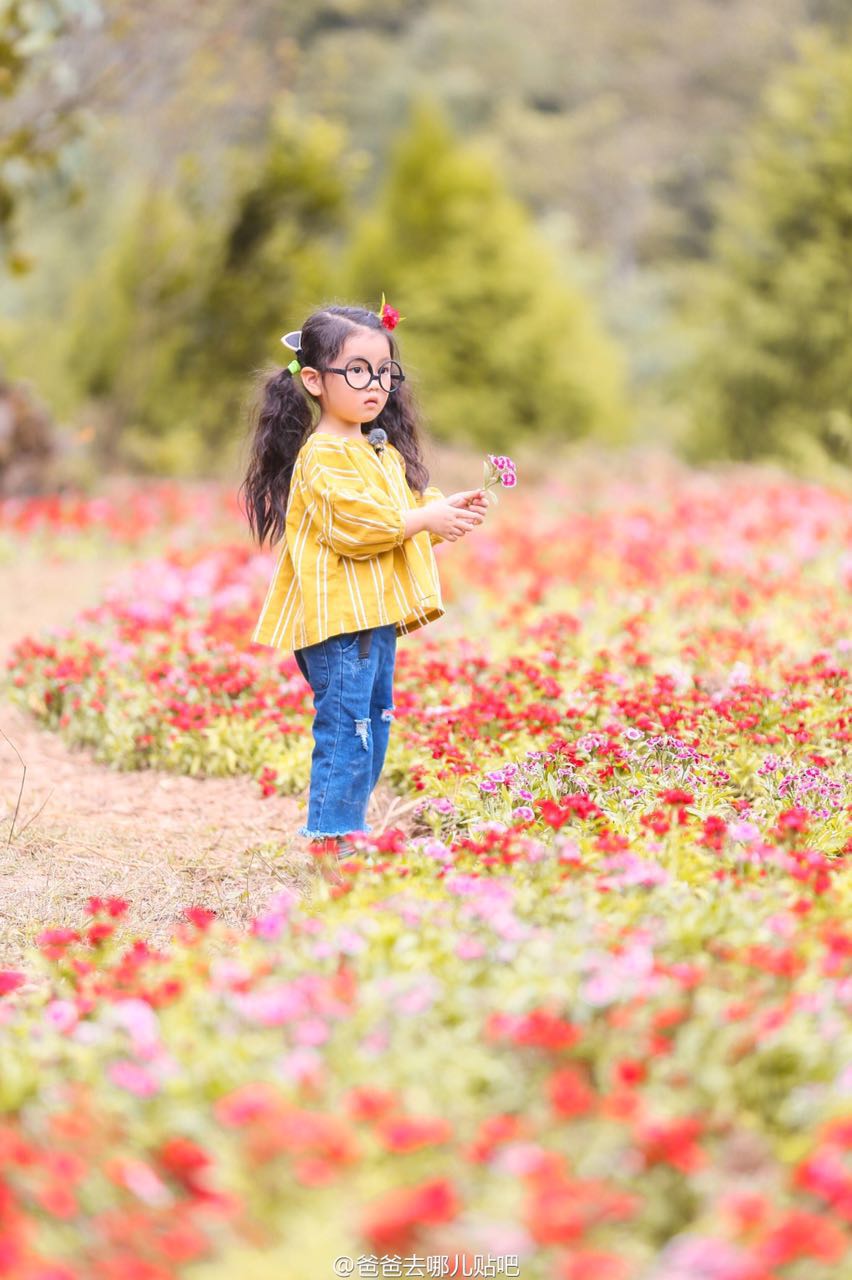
(619, 223)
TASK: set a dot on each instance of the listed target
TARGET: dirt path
(161, 840)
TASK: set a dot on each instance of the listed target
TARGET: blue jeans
(353, 701)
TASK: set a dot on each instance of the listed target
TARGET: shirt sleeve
(429, 495)
(354, 518)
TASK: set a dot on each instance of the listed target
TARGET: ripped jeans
(353, 702)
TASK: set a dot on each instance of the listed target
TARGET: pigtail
(280, 420)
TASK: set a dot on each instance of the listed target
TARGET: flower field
(589, 1019)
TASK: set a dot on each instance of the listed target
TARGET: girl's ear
(311, 380)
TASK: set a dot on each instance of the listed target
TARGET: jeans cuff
(327, 835)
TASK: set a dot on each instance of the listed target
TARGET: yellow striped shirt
(345, 563)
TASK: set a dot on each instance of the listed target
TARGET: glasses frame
(374, 377)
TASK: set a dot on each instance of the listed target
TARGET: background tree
(273, 265)
(611, 124)
(42, 106)
(774, 370)
(500, 340)
(195, 306)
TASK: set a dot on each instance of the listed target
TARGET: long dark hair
(283, 415)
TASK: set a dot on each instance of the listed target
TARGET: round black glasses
(359, 374)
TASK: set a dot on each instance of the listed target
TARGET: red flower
(184, 1160)
(201, 917)
(588, 1264)
(673, 1142)
(392, 1221)
(10, 980)
(569, 1092)
(314, 1171)
(803, 1235)
(52, 942)
(676, 796)
(57, 1200)
(713, 832)
(540, 1028)
(407, 1133)
(252, 1101)
(389, 317)
(183, 1242)
(556, 815)
(561, 1209)
(492, 1131)
(791, 823)
(630, 1071)
(747, 1210)
(366, 1102)
(112, 906)
(99, 932)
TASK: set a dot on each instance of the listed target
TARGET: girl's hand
(473, 500)
(450, 518)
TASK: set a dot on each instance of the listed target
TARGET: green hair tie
(294, 367)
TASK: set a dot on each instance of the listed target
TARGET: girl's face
(342, 404)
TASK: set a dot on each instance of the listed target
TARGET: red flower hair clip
(388, 315)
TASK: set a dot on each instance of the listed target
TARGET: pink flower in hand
(499, 469)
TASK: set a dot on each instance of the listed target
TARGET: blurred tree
(129, 322)
(164, 333)
(610, 122)
(273, 265)
(774, 373)
(42, 90)
(622, 114)
(500, 340)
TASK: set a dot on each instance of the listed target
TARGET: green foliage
(129, 324)
(272, 265)
(497, 340)
(774, 371)
(33, 139)
(167, 328)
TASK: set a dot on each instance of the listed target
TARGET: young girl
(357, 522)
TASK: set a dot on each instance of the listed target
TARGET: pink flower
(744, 831)
(142, 1025)
(302, 1064)
(469, 948)
(273, 1006)
(499, 468)
(310, 1031)
(61, 1014)
(142, 1181)
(269, 926)
(501, 462)
(135, 1079)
